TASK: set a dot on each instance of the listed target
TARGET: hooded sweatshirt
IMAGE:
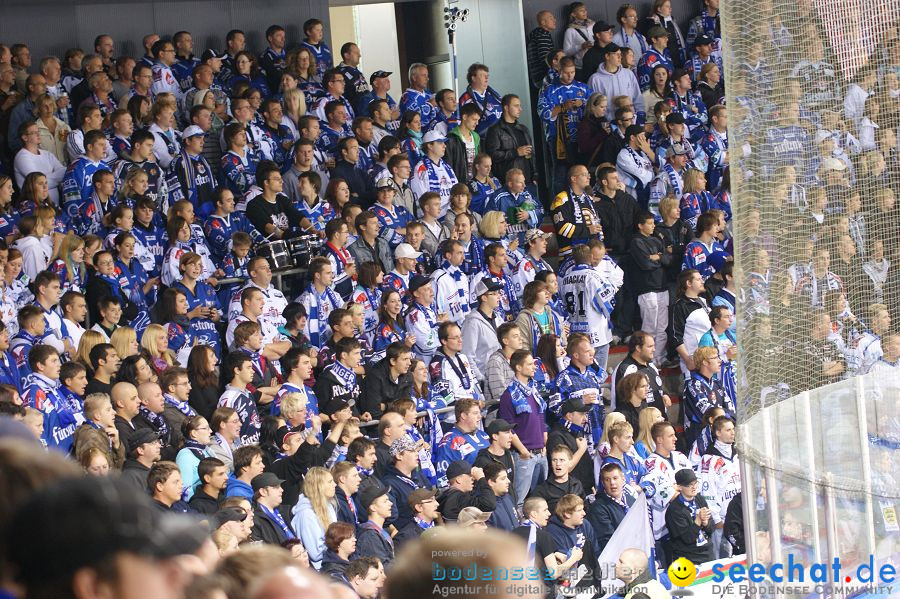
(310, 531)
(621, 83)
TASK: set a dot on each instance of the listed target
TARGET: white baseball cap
(404, 250)
(433, 135)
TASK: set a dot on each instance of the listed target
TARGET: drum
(276, 253)
(303, 248)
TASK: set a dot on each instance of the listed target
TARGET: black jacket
(504, 515)
(455, 156)
(344, 512)
(552, 491)
(332, 393)
(485, 457)
(500, 141)
(125, 428)
(649, 275)
(335, 566)
(96, 289)
(355, 178)
(384, 461)
(452, 501)
(371, 543)
(734, 524)
(684, 532)
(400, 491)
(678, 235)
(584, 470)
(617, 219)
(204, 399)
(605, 516)
(408, 532)
(204, 504)
(292, 469)
(379, 390)
(265, 529)
(136, 474)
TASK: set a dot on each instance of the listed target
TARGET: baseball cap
(78, 522)
(400, 445)
(227, 514)
(633, 130)
(420, 495)
(532, 234)
(601, 26)
(458, 468)
(285, 432)
(211, 54)
(498, 425)
(610, 48)
(266, 479)
(574, 405)
(378, 75)
(433, 135)
(486, 285)
(675, 118)
(685, 476)
(833, 164)
(470, 515)
(657, 31)
(404, 250)
(703, 40)
(679, 149)
(384, 183)
(140, 437)
(193, 131)
(336, 405)
(369, 491)
(418, 281)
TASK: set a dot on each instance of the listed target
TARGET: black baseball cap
(458, 468)
(703, 40)
(685, 476)
(418, 281)
(211, 54)
(266, 479)
(601, 26)
(379, 75)
(498, 425)
(574, 405)
(633, 130)
(610, 48)
(675, 118)
(369, 491)
(140, 437)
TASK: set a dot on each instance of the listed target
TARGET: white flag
(634, 532)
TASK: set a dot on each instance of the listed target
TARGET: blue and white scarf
(181, 406)
(159, 424)
(519, 395)
(279, 520)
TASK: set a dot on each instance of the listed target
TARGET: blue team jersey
(43, 395)
(419, 101)
(650, 60)
(389, 220)
(457, 445)
(696, 255)
(490, 104)
(203, 328)
(322, 54)
(554, 96)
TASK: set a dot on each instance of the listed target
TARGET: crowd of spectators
(433, 367)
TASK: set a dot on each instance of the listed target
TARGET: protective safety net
(813, 102)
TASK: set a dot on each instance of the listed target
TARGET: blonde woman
(294, 108)
(52, 130)
(89, 339)
(493, 229)
(314, 511)
(155, 341)
(603, 448)
(644, 444)
(124, 339)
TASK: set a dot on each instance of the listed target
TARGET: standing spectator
(661, 16)
(661, 467)
(314, 30)
(689, 320)
(499, 373)
(628, 36)
(482, 95)
(656, 54)
(522, 405)
(509, 143)
(689, 520)
(35, 87)
(572, 211)
(539, 45)
(634, 162)
(617, 211)
(479, 329)
(561, 107)
(593, 58)
(642, 349)
(579, 34)
(720, 479)
(650, 259)
(417, 97)
(612, 79)
(611, 505)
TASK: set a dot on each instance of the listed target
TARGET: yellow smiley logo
(682, 572)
